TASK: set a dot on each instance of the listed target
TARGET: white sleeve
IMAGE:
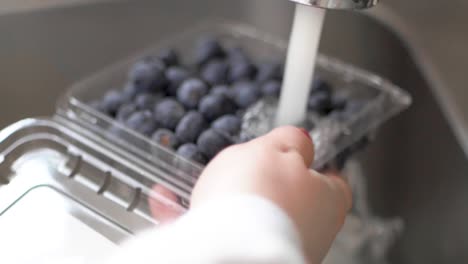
(238, 229)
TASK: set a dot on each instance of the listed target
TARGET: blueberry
(125, 111)
(320, 86)
(143, 122)
(190, 151)
(348, 110)
(320, 102)
(166, 138)
(245, 94)
(213, 106)
(146, 101)
(222, 90)
(169, 57)
(148, 75)
(206, 49)
(269, 71)
(212, 142)
(148, 128)
(229, 124)
(175, 77)
(241, 70)
(190, 127)
(168, 113)
(243, 138)
(338, 102)
(130, 91)
(237, 54)
(112, 101)
(191, 92)
(271, 88)
(215, 72)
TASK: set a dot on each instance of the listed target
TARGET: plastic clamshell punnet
(330, 136)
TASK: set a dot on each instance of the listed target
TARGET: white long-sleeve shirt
(237, 229)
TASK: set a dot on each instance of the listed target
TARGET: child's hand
(276, 167)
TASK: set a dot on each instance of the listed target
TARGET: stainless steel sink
(416, 168)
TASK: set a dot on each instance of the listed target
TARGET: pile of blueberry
(196, 109)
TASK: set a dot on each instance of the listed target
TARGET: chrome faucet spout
(339, 4)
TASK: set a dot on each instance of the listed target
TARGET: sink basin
(416, 169)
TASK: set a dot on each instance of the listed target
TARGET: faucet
(338, 4)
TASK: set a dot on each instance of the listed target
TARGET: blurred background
(417, 168)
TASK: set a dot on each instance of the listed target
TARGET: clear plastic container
(330, 135)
